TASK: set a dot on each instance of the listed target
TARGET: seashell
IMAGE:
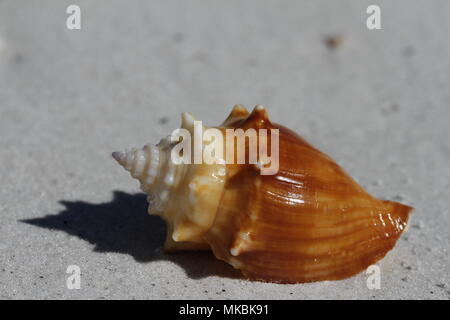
(309, 221)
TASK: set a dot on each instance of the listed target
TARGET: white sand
(379, 104)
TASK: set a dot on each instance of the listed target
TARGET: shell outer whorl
(309, 221)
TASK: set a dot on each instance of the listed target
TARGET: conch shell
(308, 222)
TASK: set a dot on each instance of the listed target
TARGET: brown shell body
(309, 222)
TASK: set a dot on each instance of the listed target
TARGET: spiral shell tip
(119, 156)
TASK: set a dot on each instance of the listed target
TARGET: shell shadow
(124, 226)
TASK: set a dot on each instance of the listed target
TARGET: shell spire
(184, 195)
(141, 163)
(144, 165)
